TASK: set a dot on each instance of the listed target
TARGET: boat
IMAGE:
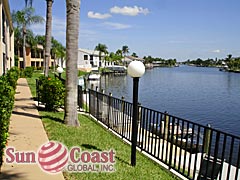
(94, 76)
(182, 137)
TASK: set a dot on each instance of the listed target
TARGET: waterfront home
(7, 38)
(89, 59)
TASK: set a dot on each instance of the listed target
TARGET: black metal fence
(193, 150)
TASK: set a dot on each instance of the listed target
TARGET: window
(3, 27)
(91, 57)
(21, 64)
(33, 63)
(85, 57)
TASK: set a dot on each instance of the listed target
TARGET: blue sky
(181, 29)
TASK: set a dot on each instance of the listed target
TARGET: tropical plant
(59, 51)
(134, 54)
(22, 19)
(125, 51)
(48, 35)
(28, 3)
(101, 48)
(70, 105)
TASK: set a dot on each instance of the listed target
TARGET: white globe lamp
(136, 69)
(60, 71)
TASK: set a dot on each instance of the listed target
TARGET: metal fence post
(109, 107)
(122, 117)
(166, 125)
(207, 137)
(80, 99)
(37, 90)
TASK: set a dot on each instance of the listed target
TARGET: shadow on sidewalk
(27, 107)
(25, 114)
(7, 175)
(24, 99)
(22, 84)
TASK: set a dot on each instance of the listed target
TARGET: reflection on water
(203, 95)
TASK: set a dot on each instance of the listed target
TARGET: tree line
(233, 63)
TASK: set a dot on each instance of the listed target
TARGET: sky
(181, 29)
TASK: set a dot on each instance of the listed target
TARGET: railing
(193, 150)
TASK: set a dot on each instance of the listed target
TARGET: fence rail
(193, 150)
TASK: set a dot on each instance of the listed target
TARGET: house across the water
(90, 59)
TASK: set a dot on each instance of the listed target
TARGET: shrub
(51, 93)
(12, 76)
(28, 72)
(6, 106)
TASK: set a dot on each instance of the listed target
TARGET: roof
(90, 52)
(132, 58)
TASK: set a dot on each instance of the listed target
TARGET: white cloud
(93, 15)
(129, 11)
(216, 51)
(117, 25)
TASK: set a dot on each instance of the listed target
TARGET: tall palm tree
(102, 48)
(18, 41)
(59, 51)
(48, 35)
(22, 19)
(28, 3)
(70, 107)
(125, 51)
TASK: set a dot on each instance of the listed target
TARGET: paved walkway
(26, 134)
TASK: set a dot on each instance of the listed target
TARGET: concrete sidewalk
(26, 134)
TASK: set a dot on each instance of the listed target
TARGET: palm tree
(119, 52)
(22, 19)
(70, 107)
(48, 35)
(28, 3)
(17, 40)
(125, 51)
(58, 51)
(102, 48)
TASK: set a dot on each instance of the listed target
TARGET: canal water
(202, 95)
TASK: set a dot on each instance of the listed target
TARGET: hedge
(7, 90)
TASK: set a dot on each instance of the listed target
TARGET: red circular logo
(52, 157)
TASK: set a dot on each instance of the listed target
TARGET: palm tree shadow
(123, 161)
(53, 118)
(89, 146)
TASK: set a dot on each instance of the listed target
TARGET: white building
(89, 59)
(6, 38)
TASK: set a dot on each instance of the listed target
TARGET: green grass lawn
(92, 136)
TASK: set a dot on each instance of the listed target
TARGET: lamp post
(135, 69)
(60, 71)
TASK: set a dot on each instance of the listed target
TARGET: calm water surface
(202, 95)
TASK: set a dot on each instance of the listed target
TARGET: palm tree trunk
(48, 36)
(71, 116)
(24, 47)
